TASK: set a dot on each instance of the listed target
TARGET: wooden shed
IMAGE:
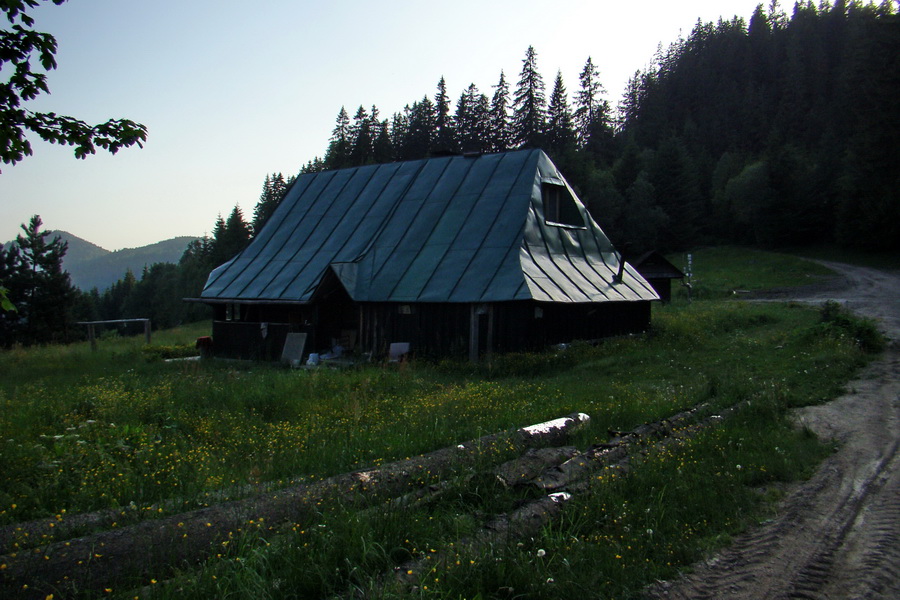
(658, 272)
(455, 255)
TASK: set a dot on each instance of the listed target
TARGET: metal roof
(448, 229)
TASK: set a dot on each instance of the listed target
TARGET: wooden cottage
(456, 255)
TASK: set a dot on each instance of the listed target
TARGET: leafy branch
(18, 45)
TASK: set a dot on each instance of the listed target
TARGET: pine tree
(592, 119)
(361, 139)
(274, 189)
(237, 231)
(313, 165)
(529, 118)
(218, 231)
(444, 134)
(338, 154)
(399, 131)
(472, 120)
(419, 135)
(498, 117)
(41, 291)
(229, 237)
(383, 147)
(560, 136)
(629, 109)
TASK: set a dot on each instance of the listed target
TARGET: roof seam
(456, 236)
(299, 271)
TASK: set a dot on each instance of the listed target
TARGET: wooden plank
(294, 345)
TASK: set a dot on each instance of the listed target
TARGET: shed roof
(448, 229)
(653, 265)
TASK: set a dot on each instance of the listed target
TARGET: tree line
(507, 119)
(780, 131)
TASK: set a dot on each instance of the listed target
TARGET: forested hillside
(780, 131)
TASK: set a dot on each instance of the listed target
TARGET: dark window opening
(560, 207)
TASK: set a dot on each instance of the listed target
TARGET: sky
(232, 91)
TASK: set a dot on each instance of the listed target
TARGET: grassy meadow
(122, 430)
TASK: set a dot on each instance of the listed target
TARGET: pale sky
(231, 91)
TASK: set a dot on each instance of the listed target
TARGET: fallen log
(130, 555)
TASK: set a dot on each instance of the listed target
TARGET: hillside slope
(91, 266)
(101, 271)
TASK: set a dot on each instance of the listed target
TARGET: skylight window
(560, 208)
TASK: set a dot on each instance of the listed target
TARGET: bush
(837, 321)
(167, 352)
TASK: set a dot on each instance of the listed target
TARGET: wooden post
(489, 351)
(92, 334)
(473, 333)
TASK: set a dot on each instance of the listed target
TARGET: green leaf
(5, 304)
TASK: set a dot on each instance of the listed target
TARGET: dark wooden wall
(433, 330)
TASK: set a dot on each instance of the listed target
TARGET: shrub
(836, 320)
(167, 352)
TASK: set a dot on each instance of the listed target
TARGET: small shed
(454, 255)
(658, 272)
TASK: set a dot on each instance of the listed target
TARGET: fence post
(147, 330)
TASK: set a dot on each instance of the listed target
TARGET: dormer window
(560, 208)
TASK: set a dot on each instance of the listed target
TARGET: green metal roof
(448, 229)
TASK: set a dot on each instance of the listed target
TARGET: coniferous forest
(781, 131)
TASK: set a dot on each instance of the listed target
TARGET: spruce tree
(560, 137)
(529, 112)
(361, 139)
(41, 290)
(444, 134)
(313, 165)
(237, 231)
(229, 237)
(591, 109)
(274, 189)
(498, 117)
(338, 154)
(420, 132)
(472, 120)
(399, 131)
(383, 147)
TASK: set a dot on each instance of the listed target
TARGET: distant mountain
(91, 266)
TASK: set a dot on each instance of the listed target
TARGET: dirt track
(838, 534)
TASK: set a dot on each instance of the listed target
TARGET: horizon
(217, 128)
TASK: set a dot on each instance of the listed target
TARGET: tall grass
(116, 428)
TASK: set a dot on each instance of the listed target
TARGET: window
(559, 206)
(232, 311)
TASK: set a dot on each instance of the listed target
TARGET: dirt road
(838, 534)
